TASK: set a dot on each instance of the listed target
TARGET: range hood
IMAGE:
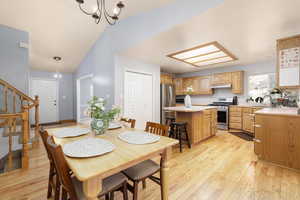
(221, 86)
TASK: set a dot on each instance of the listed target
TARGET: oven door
(223, 119)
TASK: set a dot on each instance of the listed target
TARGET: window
(260, 85)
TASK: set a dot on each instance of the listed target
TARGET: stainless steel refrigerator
(167, 99)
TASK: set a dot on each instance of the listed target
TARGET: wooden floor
(221, 168)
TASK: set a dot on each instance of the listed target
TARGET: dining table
(91, 171)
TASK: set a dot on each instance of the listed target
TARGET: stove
(222, 105)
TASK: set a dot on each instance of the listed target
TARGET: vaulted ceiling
(59, 28)
(248, 29)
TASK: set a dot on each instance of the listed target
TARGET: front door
(47, 92)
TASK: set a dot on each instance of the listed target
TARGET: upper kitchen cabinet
(202, 85)
(221, 78)
(178, 82)
(187, 82)
(237, 80)
(288, 62)
(166, 79)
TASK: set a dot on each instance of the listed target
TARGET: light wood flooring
(221, 168)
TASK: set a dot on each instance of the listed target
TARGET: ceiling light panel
(206, 57)
(207, 54)
(215, 61)
(196, 52)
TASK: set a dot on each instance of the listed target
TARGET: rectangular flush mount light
(207, 54)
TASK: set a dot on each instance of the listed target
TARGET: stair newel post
(37, 120)
(26, 132)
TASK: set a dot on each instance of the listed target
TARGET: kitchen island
(202, 121)
(277, 136)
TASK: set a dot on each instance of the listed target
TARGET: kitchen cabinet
(277, 139)
(207, 117)
(178, 82)
(235, 117)
(242, 118)
(214, 121)
(202, 85)
(187, 82)
(201, 124)
(166, 79)
(221, 78)
(237, 81)
(248, 120)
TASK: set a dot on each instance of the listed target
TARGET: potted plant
(100, 116)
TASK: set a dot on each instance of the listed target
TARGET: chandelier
(100, 11)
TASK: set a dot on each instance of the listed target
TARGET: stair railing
(10, 116)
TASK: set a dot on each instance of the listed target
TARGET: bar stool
(180, 130)
(169, 121)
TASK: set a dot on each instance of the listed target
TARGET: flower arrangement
(100, 116)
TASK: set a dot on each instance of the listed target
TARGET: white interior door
(138, 97)
(47, 91)
(85, 92)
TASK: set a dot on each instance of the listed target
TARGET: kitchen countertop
(260, 105)
(279, 111)
(192, 109)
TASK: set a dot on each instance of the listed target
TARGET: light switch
(64, 97)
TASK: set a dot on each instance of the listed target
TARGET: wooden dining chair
(72, 187)
(53, 182)
(129, 121)
(146, 169)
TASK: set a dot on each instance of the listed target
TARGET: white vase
(187, 101)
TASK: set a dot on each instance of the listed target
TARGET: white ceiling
(247, 28)
(59, 28)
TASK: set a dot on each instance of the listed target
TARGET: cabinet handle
(251, 115)
(257, 126)
(256, 140)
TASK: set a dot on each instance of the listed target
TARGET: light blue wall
(251, 69)
(14, 64)
(66, 92)
(129, 32)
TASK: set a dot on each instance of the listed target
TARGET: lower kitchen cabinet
(242, 119)
(201, 125)
(277, 139)
(214, 121)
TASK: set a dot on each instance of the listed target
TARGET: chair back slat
(158, 129)
(44, 135)
(62, 168)
(129, 121)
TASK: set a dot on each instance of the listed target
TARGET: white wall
(252, 69)
(121, 65)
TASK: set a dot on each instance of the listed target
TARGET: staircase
(16, 136)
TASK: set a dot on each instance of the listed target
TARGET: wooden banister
(18, 92)
(9, 120)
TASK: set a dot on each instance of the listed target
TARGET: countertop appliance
(223, 112)
(167, 99)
